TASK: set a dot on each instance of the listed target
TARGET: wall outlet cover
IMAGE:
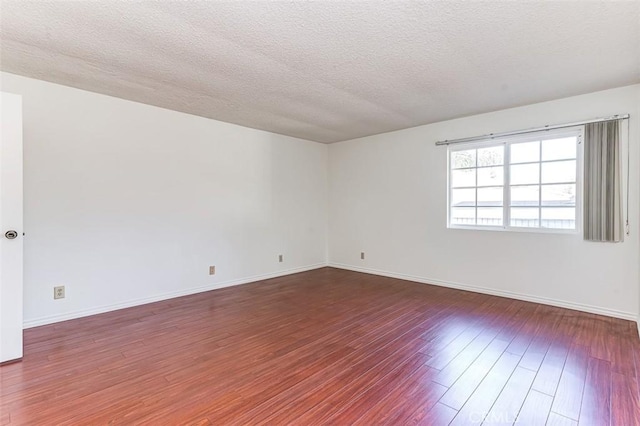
(58, 292)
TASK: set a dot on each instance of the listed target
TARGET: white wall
(127, 203)
(388, 198)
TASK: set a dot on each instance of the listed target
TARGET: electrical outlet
(362, 255)
(58, 292)
(212, 270)
(280, 258)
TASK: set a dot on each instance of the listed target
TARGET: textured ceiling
(327, 70)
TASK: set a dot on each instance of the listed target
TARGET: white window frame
(506, 200)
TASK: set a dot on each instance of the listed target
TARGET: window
(529, 182)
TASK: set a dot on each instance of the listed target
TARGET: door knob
(11, 234)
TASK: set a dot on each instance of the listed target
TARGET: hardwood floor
(328, 347)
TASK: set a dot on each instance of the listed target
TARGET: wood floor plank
(440, 359)
(508, 404)
(5, 418)
(536, 352)
(419, 392)
(625, 400)
(480, 402)
(338, 380)
(336, 393)
(596, 397)
(327, 346)
(551, 369)
(558, 420)
(460, 391)
(448, 375)
(599, 336)
(568, 397)
(374, 395)
(439, 414)
(535, 410)
(529, 329)
(621, 354)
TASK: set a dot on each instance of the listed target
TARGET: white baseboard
(136, 302)
(512, 295)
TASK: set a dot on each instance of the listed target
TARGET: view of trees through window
(519, 184)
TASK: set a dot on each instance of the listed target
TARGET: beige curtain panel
(603, 216)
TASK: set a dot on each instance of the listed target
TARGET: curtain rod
(536, 129)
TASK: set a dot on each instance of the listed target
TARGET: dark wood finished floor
(328, 347)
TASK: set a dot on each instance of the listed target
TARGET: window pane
(559, 218)
(463, 197)
(463, 216)
(525, 173)
(558, 195)
(490, 176)
(525, 217)
(490, 216)
(523, 196)
(461, 159)
(490, 197)
(493, 156)
(465, 177)
(559, 171)
(559, 149)
(525, 152)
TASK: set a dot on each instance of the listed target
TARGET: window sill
(515, 229)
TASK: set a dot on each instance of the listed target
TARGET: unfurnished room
(326, 212)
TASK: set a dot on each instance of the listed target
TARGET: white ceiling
(326, 70)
